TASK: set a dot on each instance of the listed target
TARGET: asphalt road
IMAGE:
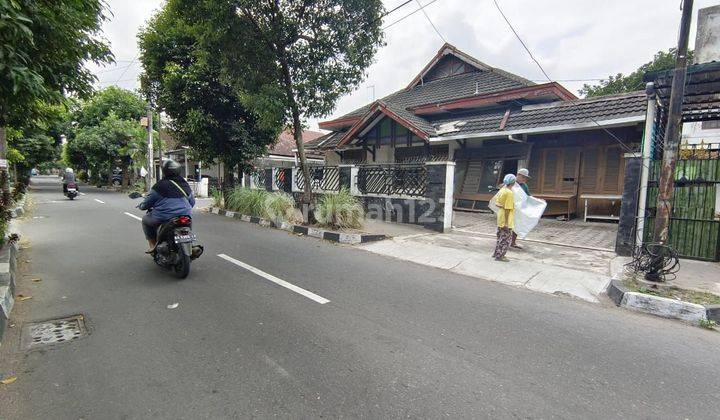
(395, 340)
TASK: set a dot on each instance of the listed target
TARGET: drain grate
(54, 331)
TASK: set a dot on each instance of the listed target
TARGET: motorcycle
(71, 191)
(177, 246)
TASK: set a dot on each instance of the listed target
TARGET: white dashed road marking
(310, 295)
(133, 216)
(99, 201)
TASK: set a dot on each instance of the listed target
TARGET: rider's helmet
(68, 170)
(170, 169)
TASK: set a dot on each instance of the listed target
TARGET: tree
(634, 81)
(107, 132)
(291, 59)
(43, 45)
(206, 112)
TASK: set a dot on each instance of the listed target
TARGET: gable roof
(484, 102)
(449, 49)
(486, 80)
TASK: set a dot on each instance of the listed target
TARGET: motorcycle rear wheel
(182, 268)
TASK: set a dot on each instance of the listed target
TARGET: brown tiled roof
(553, 114)
(448, 88)
(286, 142)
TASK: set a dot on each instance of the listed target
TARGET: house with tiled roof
(284, 152)
(491, 122)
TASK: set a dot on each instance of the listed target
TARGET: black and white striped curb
(8, 270)
(341, 237)
(661, 306)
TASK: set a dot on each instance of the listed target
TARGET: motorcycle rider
(68, 176)
(170, 197)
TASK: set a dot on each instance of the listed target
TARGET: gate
(694, 229)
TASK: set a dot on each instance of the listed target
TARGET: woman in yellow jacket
(505, 200)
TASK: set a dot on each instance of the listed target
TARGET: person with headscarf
(505, 201)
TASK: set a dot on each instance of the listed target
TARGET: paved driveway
(573, 232)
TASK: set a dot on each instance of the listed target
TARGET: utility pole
(672, 143)
(150, 177)
(673, 130)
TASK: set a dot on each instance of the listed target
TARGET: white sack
(528, 211)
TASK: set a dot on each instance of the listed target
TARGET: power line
(409, 14)
(115, 68)
(396, 8)
(624, 146)
(521, 41)
(573, 102)
(388, 12)
(431, 22)
(126, 68)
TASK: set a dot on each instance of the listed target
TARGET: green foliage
(14, 156)
(276, 206)
(247, 201)
(43, 45)
(121, 103)
(19, 191)
(341, 210)
(280, 207)
(218, 197)
(707, 323)
(621, 83)
(34, 150)
(107, 134)
(288, 60)
(185, 80)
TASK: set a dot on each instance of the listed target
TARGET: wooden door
(556, 170)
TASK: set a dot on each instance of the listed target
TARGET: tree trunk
(5, 179)
(125, 173)
(297, 135)
(111, 166)
(228, 176)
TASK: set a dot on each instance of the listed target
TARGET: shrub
(340, 210)
(218, 197)
(19, 191)
(280, 206)
(138, 186)
(247, 201)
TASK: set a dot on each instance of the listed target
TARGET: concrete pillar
(269, 179)
(439, 195)
(345, 172)
(625, 240)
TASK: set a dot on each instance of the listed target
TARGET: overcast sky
(572, 39)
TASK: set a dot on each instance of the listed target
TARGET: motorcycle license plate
(189, 237)
(71, 190)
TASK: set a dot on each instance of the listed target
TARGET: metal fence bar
(322, 178)
(395, 179)
(257, 178)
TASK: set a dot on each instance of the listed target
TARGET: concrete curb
(8, 269)
(661, 306)
(328, 235)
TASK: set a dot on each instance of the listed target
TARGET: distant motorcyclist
(68, 176)
(170, 197)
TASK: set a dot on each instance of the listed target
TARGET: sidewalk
(580, 273)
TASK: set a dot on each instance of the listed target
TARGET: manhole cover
(53, 331)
